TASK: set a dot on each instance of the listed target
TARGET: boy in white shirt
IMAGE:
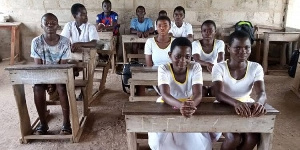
(179, 28)
(80, 32)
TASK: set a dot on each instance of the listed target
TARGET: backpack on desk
(247, 27)
(126, 74)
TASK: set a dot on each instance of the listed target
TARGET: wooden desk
(209, 117)
(44, 74)
(148, 76)
(277, 36)
(132, 39)
(15, 41)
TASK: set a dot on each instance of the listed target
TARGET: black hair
(47, 15)
(75, 8)
(140, 7)
(162, 12)
(238, 35)
(179, 8)
(106, 1)
(163, 18)
(209, 22)
(180, 41)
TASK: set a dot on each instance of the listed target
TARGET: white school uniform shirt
(183, 31)
(212, 57)
(88, 33)
(181, 91)
(159, 56)
(238, 89)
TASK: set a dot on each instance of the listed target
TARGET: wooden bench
(209, 117)
(45, 74)
(292, 37)
(132, 39)
(148, 76)
(110, 37)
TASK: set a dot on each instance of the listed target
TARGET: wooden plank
(131, 141)
(152, 108)
(266, 52)
(133, 38)
(265, 141)
(9, 24)
(142, 82)
(283, 36)
(25, 124)
(43, 137)
(51, 76)
(13, 45)
(154, 98)
(39, 67)
(199, 123)
(72, 103)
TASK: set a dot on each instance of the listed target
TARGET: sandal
(66, 130)
(41, 129)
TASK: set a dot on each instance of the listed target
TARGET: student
(46, 49)
(233, 81)
(179, 28)
(208, 51)
(161, 13)
(158, 47)
(140, 26)
(80, 32)
(180, 83)
(107, 20)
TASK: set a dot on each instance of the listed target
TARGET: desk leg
(283, 55)
(131, 141)
(266, 53)
(15, 45)
(258, 51)
(124, 53)
(25, 124)
(265, 141)
(73, 106)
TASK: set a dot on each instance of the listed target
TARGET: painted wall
(224, 12)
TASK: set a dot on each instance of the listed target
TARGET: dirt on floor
(105, 129)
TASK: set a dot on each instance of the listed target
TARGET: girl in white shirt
(157, 48)
(180, 83)
(233, 81)
(208, 51)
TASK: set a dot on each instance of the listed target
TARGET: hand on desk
(250, 110)
(209, 67)
(75, 47)
(187, 108)
(139, 34)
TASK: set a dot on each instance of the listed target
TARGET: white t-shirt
(238, 89)
(88, 33)
(211, 57)
(183, 31)
(181, 91)
(159, 56)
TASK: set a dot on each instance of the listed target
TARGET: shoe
(66, 130)
(41, 129)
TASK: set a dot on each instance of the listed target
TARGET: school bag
(126, 74)
(293, 63)
(247, 27)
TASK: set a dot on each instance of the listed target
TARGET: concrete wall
(224, 12)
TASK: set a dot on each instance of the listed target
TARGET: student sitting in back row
(179, 28)
(107, 21)
(208, 51)
(158, 47)
(140, 26)
(161, 13)
(46, 49)
(80, 32)
(233, 81)
(180, 83)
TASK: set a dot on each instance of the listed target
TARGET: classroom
(91, 102)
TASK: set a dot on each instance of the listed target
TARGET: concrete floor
(106, 126)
